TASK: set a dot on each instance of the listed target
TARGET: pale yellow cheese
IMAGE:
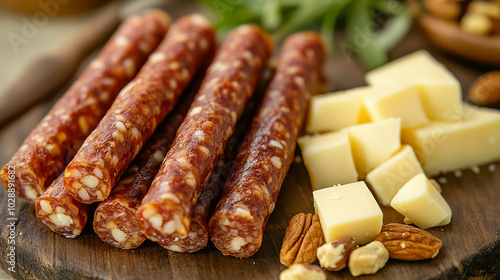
(333, 111)
(374, 142)
(389, 177)
(439, 90)
(395, 101)
(421, 203)
(348, 211)
(449, 146)
(328, 159)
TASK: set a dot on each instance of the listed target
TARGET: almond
(485, 90)
(409, 243)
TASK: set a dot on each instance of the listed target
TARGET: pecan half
(302, 239)
(409, 243)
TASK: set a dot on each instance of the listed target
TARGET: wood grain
(471, 241)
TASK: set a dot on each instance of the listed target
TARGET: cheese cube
(421, 203)
(445, 146)
(389, 177)
(348, 211)
(374, 142)
(441, 98)
(328, 159)
(395, 101)
(333, 111)
(439, 90)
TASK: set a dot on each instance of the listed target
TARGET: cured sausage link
(230, 80)
(60, 212)
(138, 109)
(114, 218)
(237, 225)
(197, 238)
(55, 140)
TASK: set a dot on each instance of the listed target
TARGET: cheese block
(333, 111)
(439, 90)
(348, 211)
(328, 159)
(390, 176)
(374, 142)
(449, 146)
(421, 203)
(395, 101)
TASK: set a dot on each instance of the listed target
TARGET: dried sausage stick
(114, 218)
(197, 238)
(237, 225)
(60, 212)
(230, 80)
(63, 214)
(138, 109)
(53, 143)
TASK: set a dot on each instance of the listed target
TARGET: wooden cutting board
(471, 241)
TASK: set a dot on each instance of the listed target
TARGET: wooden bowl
(448, 36)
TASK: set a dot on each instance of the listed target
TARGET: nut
(485, 90)
(449, 10)
(409, 243)
(333, 256)
(302, 239)
(303, 272)
(490, 9)
(476, 24)
(368, 259)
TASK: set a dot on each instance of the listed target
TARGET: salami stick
(230, 80)
(60, 212)
(138, 109)
(237, 225)
(114, 218)
(55, 140)
(197, 238)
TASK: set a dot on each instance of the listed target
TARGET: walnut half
(333, 256)
(368, 259)
(302, 239)
(303, 272)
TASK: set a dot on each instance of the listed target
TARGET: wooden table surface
(471, 241)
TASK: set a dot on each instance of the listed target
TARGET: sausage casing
(236, 228)
(138, 109)
(230, 80)
(60, 212)
(55, 140)
(197, 237)
(114, 218)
